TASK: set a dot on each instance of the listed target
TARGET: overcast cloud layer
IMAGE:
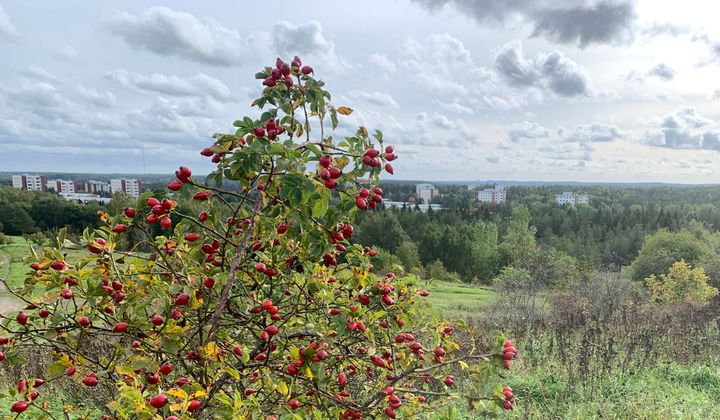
(609, 90)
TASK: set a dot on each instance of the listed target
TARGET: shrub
(437, 271)
(258, 305)
(682, 283)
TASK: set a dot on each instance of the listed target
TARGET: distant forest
(471, 241)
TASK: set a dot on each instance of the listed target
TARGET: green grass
(660, 392)
(457, 300)
(11, 256)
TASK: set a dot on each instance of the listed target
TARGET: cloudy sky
(609, 90)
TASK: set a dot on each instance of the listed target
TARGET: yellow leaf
(177, 392)
(282, 388)
(308, 372)
(463, 364)
(344, 110)
(199, 394)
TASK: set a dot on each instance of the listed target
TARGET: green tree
(381, 229)
(16, 221)
(409, 255)
(485, 253)
(519, 243)
(662, 249)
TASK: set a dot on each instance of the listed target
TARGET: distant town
(91, 190)
(79, 191)
(426, 193)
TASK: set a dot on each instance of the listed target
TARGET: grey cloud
(566, 21)
(7, 29)
(513, 66)
(167, 32)
(200, 85)
(553, 71)
(716, 94)
(663, 72)
(603, 23)
(565, 77)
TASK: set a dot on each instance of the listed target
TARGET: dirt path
(8, 302)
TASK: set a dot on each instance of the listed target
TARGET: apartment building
(493, 195)
(426, 192)
(129, 186)
(62, 186)
(29, 182)
(571, 198)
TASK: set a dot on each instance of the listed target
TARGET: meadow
(543, 386)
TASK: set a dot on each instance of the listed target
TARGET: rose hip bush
(258, 306)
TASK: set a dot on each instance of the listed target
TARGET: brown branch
(234, 266)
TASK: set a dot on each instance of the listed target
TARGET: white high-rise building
(96, 187)
(571, 198)
(62, 186)
(29, 182)
(126, 185)
(426, 192)
(493, 195)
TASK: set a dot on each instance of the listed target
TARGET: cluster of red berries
(393, 402)
(368, 199)
(507, 403)
(159, 211)
(370, 158)
(508, 353)
(328, 173)
(30, 392)
(267, 306)
(272, 130)
(283, 71)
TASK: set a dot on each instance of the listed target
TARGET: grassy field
(457, 300)
(13, 270)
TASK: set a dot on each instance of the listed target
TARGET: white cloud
(307, 40)
(104, 99)
(167, 32)
(685, 129)
(527, 130)
(67, 53)
(7, 29)
(38, 73)
(588, 133)
(379, 99)
(200, 85)
(456, 107)
(383, 63)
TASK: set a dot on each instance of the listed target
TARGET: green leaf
(320, 206)
(333, 118)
